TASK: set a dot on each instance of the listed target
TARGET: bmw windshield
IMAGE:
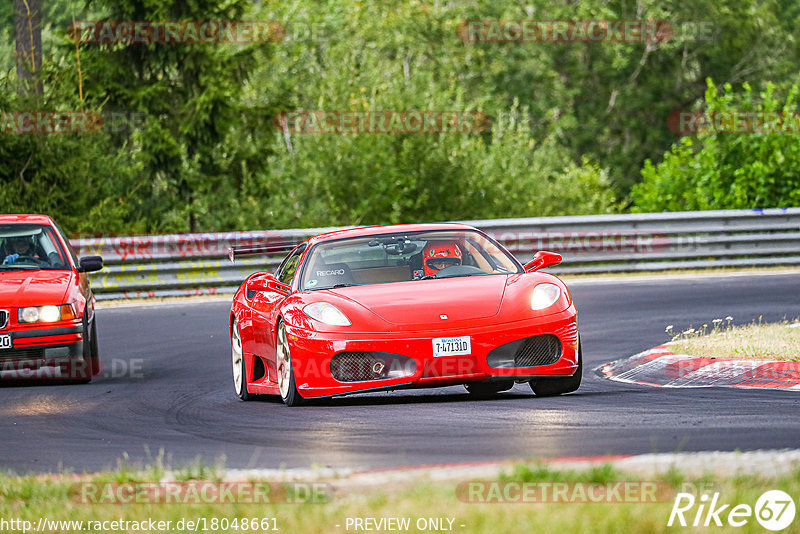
(31, 247)
(404, 257)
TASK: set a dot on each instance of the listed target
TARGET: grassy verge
(29, 498)
(756, 341)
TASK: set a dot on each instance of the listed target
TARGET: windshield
(30, 247)
(404, 257)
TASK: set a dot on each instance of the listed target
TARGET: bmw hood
(33, 288)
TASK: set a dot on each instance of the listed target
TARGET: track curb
(661, 367)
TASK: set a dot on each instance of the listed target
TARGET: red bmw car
(47, 323)
(405, 306)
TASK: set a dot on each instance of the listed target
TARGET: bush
(721, 170)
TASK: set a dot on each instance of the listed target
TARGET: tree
(196, 143)
(28, 37)
(749, 162)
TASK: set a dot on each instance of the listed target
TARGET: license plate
(5, 341)
(452, 346)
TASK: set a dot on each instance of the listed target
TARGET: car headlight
(544, 296)
(46, 314)
(326, 313)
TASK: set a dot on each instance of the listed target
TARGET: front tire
(94, 350)
(80, 370)
(237, 364)
(550, 387)
(285, 371)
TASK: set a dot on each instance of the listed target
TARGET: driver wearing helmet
(438, 256)
(16, 247)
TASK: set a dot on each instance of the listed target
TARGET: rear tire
(482, 390)
(237, 364)
(550, 387)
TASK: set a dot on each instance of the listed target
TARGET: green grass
(31, 497)
(755, 341)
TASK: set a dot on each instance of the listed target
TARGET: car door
(266, 306)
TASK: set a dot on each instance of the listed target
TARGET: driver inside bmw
(17, 247)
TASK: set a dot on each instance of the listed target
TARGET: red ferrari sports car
(405, 306)
(47, 323)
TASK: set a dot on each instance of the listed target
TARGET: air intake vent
(22, 354)
(529, 352)
(3, 318)
(538, 350)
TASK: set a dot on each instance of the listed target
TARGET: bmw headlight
(544, 296)
(326, 313)
(45, 314)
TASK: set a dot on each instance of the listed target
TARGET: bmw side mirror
(90, 264)
(542, 260)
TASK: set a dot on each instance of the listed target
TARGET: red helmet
(438, 256)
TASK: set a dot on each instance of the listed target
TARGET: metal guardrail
(196, 264)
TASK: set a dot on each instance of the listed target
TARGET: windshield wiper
(454, 275)
(337, 286)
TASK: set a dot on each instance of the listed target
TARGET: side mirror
(268, 282)
(541, 260)
(90, 264)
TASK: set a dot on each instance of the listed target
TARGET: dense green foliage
(724, 169)
(572, 124)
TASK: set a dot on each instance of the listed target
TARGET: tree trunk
(28, 35)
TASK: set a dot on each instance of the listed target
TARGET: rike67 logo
(774, 510)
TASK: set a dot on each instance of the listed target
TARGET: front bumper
(43, 352)
(312, 353)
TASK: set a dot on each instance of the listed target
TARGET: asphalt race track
(173, 392)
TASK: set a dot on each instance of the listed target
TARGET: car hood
(34, 288)
(426, 301)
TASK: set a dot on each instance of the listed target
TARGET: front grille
(359, 366)
(532, 351)
(3, 318)
(538, 350)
